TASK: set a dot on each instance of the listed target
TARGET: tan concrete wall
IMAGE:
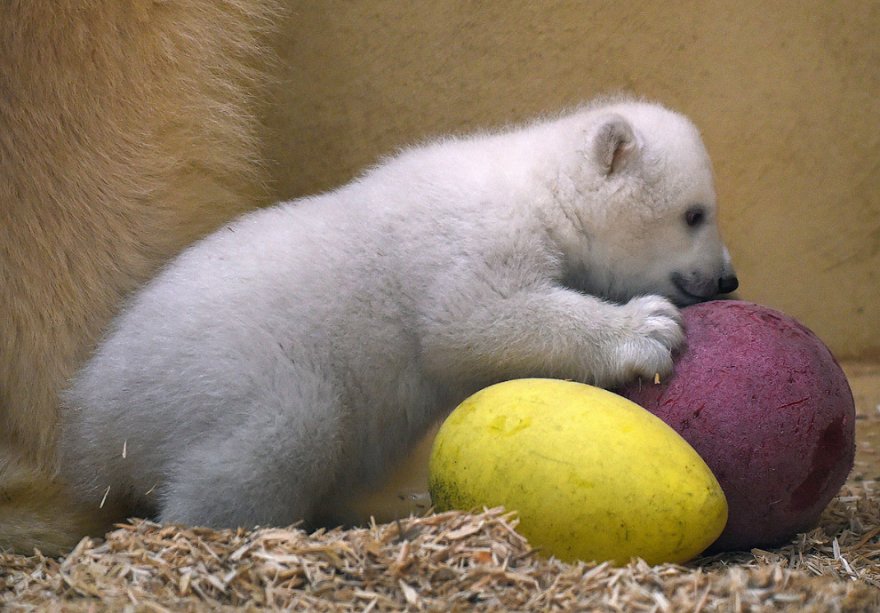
(786, 95)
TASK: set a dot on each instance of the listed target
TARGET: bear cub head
(638, 185)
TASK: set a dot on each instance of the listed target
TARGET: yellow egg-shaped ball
(591, 475)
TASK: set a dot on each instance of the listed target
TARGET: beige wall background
(787, 95)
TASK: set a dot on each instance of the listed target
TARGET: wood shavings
(104, 498)
(452, 562)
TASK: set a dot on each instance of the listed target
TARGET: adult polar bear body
(287, 359)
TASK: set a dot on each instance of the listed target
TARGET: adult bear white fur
(127, 131)
(284, 362)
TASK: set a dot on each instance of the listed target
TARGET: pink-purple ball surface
(769, 409)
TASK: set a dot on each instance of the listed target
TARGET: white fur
(284, 361)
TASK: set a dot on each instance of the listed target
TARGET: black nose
(728, 284)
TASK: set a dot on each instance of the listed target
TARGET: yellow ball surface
(591, 475)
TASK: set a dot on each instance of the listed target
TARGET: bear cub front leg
(557, 332)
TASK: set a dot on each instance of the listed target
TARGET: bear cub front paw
(651, 330)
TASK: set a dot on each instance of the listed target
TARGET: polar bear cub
(283, 362)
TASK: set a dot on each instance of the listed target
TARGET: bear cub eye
(695, 216)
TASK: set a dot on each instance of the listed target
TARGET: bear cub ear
(614, 145)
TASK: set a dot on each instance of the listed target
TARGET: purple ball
(769, 409)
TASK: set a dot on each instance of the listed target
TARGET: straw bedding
(457, 561)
